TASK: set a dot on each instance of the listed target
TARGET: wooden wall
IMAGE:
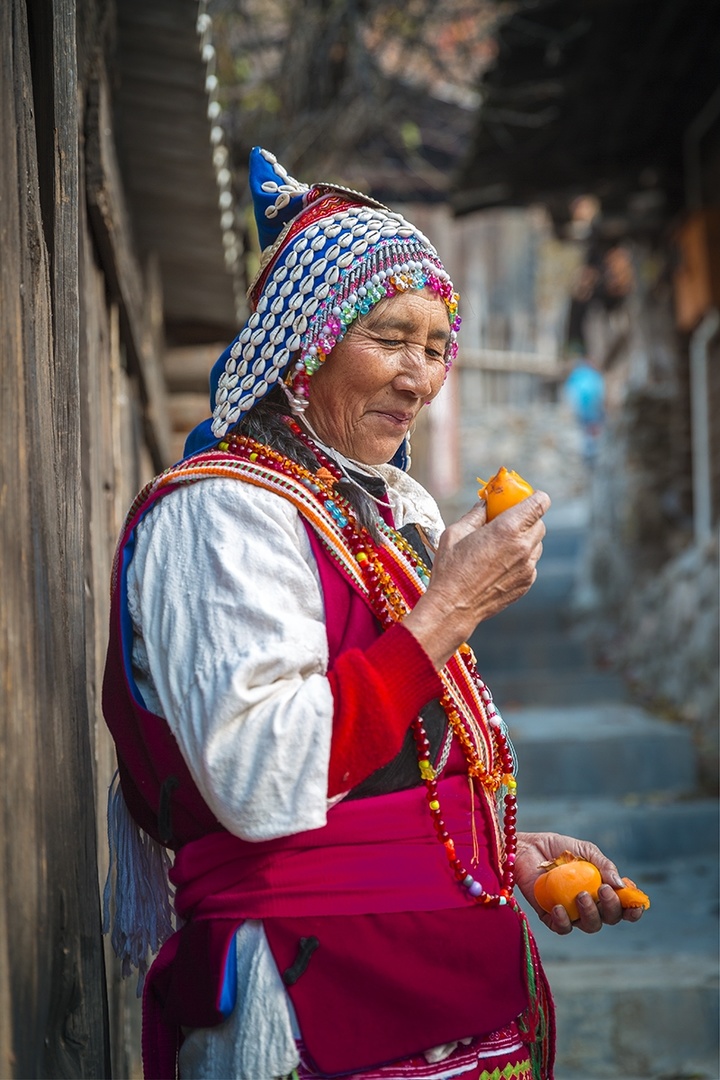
(78, 437)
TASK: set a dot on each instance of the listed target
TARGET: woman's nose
(415, 373)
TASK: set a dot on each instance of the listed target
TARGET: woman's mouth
(398, 419)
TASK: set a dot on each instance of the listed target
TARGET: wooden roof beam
(187, 367)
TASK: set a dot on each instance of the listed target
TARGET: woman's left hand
(536, 848)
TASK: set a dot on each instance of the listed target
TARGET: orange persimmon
(631, 896)
(502, 491)
(564, 878)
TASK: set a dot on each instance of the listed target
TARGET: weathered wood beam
(51, 968)
(112, 231)
(509, 360)
(187, 410)
(187, 367)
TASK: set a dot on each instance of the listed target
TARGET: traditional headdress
(329, 254)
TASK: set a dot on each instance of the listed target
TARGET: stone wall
(638, 516)
(667, 644)
(649, 595)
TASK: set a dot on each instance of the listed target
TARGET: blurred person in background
(585, 391)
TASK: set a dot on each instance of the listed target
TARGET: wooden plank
(18, 811)
(56, 1010)
(76, 1035)
(187, 410)
(175, 21)
(509, 360)
(109, 483)
(109, 218)
(26, 882)
(171, 179)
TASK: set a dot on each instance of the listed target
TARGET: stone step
(636, 1001)
(549, 649)
(600, 750)
(528, 686)
(631, 830)
(529, 655)
(622, 1019)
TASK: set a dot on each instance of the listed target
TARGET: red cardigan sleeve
(377, 692)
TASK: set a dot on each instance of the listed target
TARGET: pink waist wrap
(404, 961)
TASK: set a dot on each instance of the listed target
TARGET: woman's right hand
(480, 568)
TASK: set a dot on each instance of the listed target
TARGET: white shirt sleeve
(231, 648)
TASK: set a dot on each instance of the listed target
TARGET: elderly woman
(296, 714)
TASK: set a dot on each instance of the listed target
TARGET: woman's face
(375, 381)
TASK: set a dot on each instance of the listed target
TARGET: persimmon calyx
(561, 860)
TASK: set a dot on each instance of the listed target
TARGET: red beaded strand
(390, 607)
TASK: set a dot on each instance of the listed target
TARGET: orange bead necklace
(390, 606)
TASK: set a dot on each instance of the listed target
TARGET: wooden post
(53, 995)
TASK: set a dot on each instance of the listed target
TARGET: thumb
(475, 517)
(529, 510)
(467, 524)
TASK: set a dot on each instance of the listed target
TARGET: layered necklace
(390, 603)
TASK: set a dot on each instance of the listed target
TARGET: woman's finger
(611, 910)
(590, 921)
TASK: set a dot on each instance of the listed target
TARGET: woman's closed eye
(410, 346)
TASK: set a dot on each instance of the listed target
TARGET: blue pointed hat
(277, 197)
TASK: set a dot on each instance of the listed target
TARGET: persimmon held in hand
(505, 489)
(563, 879)
(569, 875)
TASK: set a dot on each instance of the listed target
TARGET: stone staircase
(634, 1001)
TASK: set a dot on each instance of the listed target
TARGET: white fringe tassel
(143, 912)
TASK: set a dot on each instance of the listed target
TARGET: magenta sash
(376, 854)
